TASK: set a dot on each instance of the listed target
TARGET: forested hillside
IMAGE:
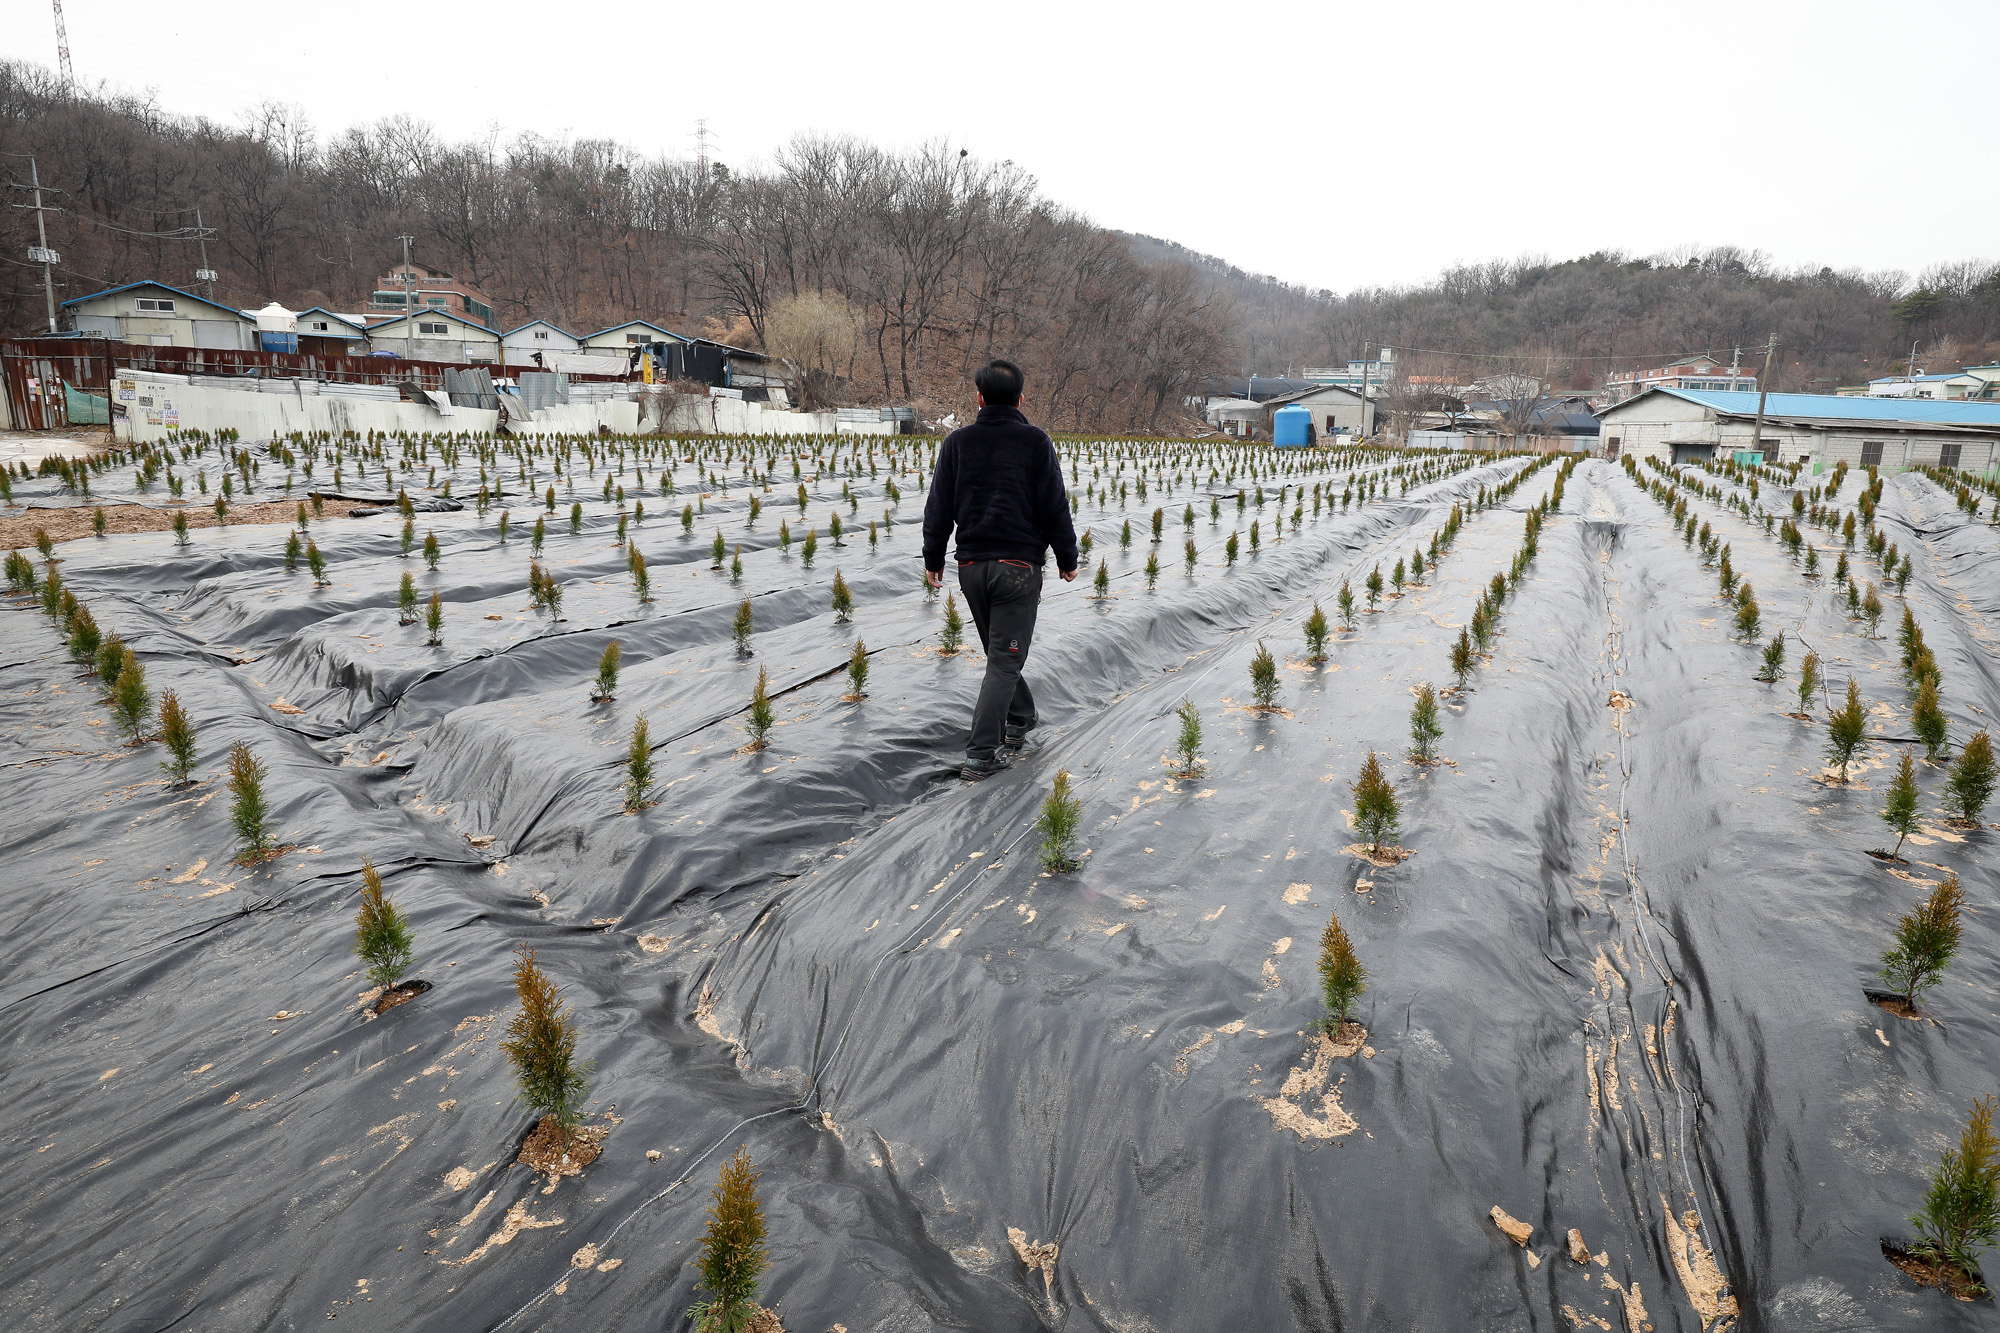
(1578, 317)
(883, 274)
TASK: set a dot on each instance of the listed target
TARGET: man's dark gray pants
(1004, 597)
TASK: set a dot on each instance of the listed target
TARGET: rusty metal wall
(87, 364)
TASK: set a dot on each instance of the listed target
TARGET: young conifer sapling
(857, 673)
(1747, 613)
(1316, 630)
(952, 637)
(1809, 681)
(642, 582)
(248, 812)
(130, 699)
(1927, 718)
(639, 767)
(1187, 747)
(762, 715)
(1059, 823)
(382, 935)
(540, 1047)
(743, 625)
(606, 684)
(733, 1257)
(1960, 1217)
(1972, 779)
(434, 621)
(1461, 657)
(1264, 678)
(84, 638)
(1926, 939)
(177, 737)
(1847, 730)
(842, 600)
(1377, 814)
(1899, 808)
(1425, 729)
(1342, 978)
(1774, 659)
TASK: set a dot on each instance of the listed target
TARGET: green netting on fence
(86, 409)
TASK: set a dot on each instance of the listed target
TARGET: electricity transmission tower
(62, 53)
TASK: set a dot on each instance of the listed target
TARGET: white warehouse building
(1695, 425)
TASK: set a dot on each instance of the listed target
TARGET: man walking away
(999, 482)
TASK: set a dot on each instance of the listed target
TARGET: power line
(1543, 356)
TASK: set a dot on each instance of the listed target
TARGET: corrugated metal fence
(36, 372)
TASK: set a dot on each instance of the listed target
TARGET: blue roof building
(1692, 425)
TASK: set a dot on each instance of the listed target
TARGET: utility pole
(62, 53)
(1365, 432)
(1763, 392)
(40, 253)
(204, 275)
(409, 297)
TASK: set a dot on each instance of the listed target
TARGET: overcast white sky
(1836, 133)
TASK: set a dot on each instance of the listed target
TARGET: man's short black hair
(999, 383)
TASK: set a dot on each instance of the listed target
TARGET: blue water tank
(1291, 427)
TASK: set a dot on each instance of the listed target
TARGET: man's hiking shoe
(1017, 736)
(975, 769)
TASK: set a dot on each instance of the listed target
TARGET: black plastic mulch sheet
(1618, 986)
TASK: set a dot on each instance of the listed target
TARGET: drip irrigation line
(1640, 918)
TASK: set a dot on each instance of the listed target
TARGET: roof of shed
(1830, 408)
(113, 291)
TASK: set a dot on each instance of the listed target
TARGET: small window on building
(432, 329)
(437, 301)
(320, 325)
(1949, 454)
(163, 307)
(1871, 453)
(541, 335)
(636, 338)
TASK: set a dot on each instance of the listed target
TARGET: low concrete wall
(734, 416)
(155, 408)
(620, 415)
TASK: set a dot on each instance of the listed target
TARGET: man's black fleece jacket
(999, 482)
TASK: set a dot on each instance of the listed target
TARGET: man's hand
(934, 578)
(1069, 576)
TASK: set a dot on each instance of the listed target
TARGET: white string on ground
(1616, 642)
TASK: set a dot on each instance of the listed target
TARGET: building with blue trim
(1694, 425)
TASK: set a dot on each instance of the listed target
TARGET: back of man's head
(999, 383)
